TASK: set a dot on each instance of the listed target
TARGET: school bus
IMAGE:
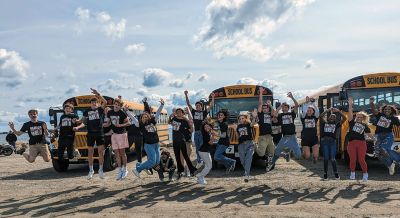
(82, 103)
(384, 87)
(235, 100)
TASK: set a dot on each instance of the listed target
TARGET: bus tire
(109, 160)
(60, 166)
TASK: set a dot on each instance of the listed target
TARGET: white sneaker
(201, 181)
(352, 175)
(119, 175)
(101, 174)
(391, 169)
(365, 177)
(136, 173)
(124, 173)
(90, 175)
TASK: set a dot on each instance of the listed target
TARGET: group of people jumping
(120, 128)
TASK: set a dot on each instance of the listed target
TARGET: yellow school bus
(81, 104)
(384, 87)
(235, 100)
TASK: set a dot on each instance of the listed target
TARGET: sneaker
(287, 157)
(90, 175)
(270, 167)
(119, 175)
(352, 175)
(337, 177)
(187, 174)
(136, 173)
(246, 179)
(392, 168)
(124, 174)
(178, 176)
(101, 174)
(201, 181)
(148, 172)
(20, 151)
(200, 164)
(315, 160)
(325, 176)
(77, 154)
(232, 168)
(365, 177)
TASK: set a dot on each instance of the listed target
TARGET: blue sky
(51, 50)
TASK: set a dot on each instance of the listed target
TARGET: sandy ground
(293, 189)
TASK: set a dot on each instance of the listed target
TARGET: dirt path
(293, 189)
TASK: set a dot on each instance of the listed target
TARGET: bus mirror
(342, 96)
(51, 112)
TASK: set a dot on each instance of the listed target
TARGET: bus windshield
(235, 105)
(382, 96)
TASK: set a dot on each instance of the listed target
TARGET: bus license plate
(230, 149)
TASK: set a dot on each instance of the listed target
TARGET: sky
(53, 50)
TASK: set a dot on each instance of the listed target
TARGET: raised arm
(350, 109)
(103, 101)
(260, 99)
(316, 109)
(373, 106)
(296, 104)
(342, 115)
(253, 117)
(131, 116)
(187, 100)
(324, 113)
(12, 127)
(159, 109)
(211, 105)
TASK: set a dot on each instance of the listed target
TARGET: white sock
(91, 168)
(118, 169)
(100, 167)
(123, 168)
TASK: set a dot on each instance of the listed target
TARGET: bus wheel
(60, 166)
(109, 160)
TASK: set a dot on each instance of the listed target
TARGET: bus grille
(80, 141)
(396, 131)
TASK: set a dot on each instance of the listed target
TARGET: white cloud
(83, 14)
(247, 81)
(67, 75)
(154, 77)
(103, 17)
(237, 27)
(114, 85)
(203, 77)
(142, 92)
(13, 68)
(135, 48)
(115, 30)
(178, 83)
(309, 64)
(189, 76)
(73, 89)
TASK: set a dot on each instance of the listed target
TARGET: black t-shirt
(117, 117)
(276, 128)
(329, 129)
(66, 125)
(149, 130)
(133, 130)
(287, 123)
(95, 120)
(35, 132)
(357, 130)
(11, 137)
(198, 118)
(245, 132)
(265, 122)
(385, 124)
(224, 137)
(179, 127)
(106, 129)
(205, 147)
(309, 126)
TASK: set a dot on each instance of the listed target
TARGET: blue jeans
(385, 141)
(219, 156)
(153, 157)
(290, 142)
(328, 145)
(246, 151)
(198, 142)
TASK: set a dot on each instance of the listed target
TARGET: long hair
(365, 116)
(246, 117)
(392, 108)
